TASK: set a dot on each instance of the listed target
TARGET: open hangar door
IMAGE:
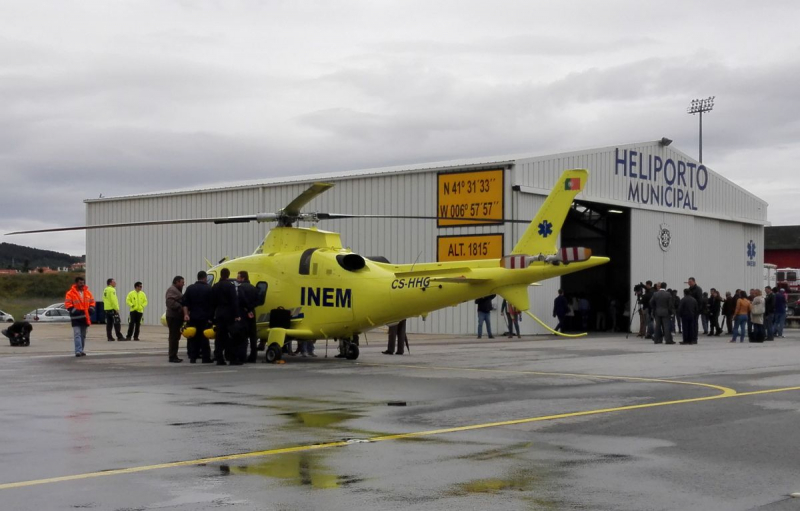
(606, 230)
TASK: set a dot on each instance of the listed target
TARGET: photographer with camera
(644, 293)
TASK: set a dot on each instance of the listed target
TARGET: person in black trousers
(714, 308)
(174, 315)
(248, 300)
(688, 309)
(198, 312)
(226, 310)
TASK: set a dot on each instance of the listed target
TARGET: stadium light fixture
(699, 106)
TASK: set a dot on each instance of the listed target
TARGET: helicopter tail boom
(542, 233)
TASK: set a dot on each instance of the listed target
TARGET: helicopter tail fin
(517, 295)
(542, 233)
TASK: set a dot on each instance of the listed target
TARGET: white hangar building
(657, 213)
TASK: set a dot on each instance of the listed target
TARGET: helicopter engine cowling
(351, 262)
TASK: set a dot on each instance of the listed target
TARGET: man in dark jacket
(714, 306)
(560, 310)
(647, 313)
(173, 298)
(728, 308)
(19, 333)
(688, 310)
(661, 307)
(697, 293)
(248, 300)
(226, 312)
(780, 311)
(769, 313)
(198, 311)
(484, 313)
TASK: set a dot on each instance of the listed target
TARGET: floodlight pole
(699, 106)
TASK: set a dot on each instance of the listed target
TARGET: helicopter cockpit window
(261, 287)
(210, 280)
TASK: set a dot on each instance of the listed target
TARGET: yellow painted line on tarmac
(382, 438)
(726, 391)
(188, 463)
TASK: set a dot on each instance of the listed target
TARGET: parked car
(56, 306)
(48, 315)
(8, 318)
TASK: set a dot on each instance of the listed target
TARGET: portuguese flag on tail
(573, 183)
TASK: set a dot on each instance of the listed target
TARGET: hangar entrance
(607, 231)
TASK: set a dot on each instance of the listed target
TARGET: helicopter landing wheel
(351, 351)
(273, 354)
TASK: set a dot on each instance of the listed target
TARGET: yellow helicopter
(334, 293)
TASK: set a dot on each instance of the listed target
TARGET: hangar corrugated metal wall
(154, 255)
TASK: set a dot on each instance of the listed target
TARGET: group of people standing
(81, 305)
(136, 302)
(661, 311)
(224, 312)
(510, 313)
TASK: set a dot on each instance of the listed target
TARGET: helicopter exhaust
(351, 262)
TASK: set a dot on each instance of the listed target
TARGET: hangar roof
(519, 160)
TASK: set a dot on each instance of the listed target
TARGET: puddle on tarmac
(320, 418)
(523, 480)
(296, 469)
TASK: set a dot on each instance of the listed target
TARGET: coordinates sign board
(464, 197)
(465, 248)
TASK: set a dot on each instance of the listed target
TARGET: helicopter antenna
(415, 260)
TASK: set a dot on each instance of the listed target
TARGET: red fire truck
(787, 279)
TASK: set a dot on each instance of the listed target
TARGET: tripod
(637, 312)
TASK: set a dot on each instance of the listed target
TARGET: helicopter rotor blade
(292, 209)
(336, 216)
(261, 217)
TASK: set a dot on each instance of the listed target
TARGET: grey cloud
(216, 92)
(526, 44)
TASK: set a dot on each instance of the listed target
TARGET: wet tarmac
(597, 423)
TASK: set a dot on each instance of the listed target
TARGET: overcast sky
(122, 97)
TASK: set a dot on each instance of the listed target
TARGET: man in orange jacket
(80, 304)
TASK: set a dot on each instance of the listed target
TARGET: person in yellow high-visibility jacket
(111, 306)
(136, 301)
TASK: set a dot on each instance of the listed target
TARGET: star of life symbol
(664, 237)
(751, 250)
(545, 229)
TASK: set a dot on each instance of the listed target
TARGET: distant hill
(21, 258)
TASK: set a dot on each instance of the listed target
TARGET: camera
(638, 288)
